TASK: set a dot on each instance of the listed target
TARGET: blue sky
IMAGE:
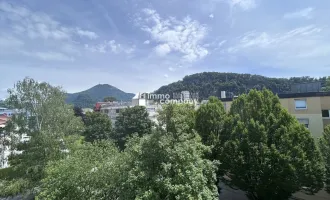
(140, 45)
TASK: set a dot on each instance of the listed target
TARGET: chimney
(223, 94)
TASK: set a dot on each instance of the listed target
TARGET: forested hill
(212, 83)
(88, 98)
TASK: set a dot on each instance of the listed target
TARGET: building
(311, 109)
(112, 109)
(5, 150)
(6, 111)
(3, 120)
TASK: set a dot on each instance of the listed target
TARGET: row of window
(301, 104)
(118, 110)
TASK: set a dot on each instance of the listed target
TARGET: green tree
(98, 126)
(327, 86)
(169, 166)
(2, 104)
(109, 99)
(78, 112)
(177, 117)
(130, 121)
(267, 153)
(92, 171)
(210, 118)
(325, 149)
(44, 116)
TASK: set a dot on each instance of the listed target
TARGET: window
(117, 110)
(326, 113)
(305, 122)
(300, 103)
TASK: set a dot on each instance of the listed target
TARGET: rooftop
(291, 95)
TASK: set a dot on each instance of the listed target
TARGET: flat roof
(304, 94)
(292, 95)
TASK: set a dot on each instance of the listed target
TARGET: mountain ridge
(212, 83)
(97, 93)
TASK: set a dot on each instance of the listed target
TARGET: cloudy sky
(140, 45)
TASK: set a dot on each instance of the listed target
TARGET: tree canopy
(275, 156)
(258, 146)
(133, 120)
(208, 84)
(78, 112)
(92, 171)
(109, 99)
(327, 85)
(325, 149)
(210, 118)
(48, 121)
(84, 101)
(177, 117)
(98, 126)
(170, 166)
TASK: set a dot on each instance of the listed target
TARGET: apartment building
(112, 109)
(311, 109)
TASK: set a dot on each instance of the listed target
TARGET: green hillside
(97, 93)
(212, 83)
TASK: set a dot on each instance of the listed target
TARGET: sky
(140, 45)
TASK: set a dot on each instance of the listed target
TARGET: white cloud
(171, 69)
(304, 13)
(163, 49)
(243, 4)
(211, 16)
(222, 43)
(165, 75)
(264, 39)
(49, 56)
(38, 25)
(299, 47)
(146, 42)
(89, 34)
(110, 47)
(172, 35)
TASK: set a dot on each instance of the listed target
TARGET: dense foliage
(327, 85)
(209, 121)
(83, 101)
(109, 99)
(98, 93)
(208, 84)
(92, 171)
(263, 150)
(133, 120)
(177, 117)
(78, 112)
(275, 156)
(3, 104)
(48, 121)
(325, 149)
(98, 127)
(170, 166)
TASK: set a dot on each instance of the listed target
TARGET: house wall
(313, 105)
